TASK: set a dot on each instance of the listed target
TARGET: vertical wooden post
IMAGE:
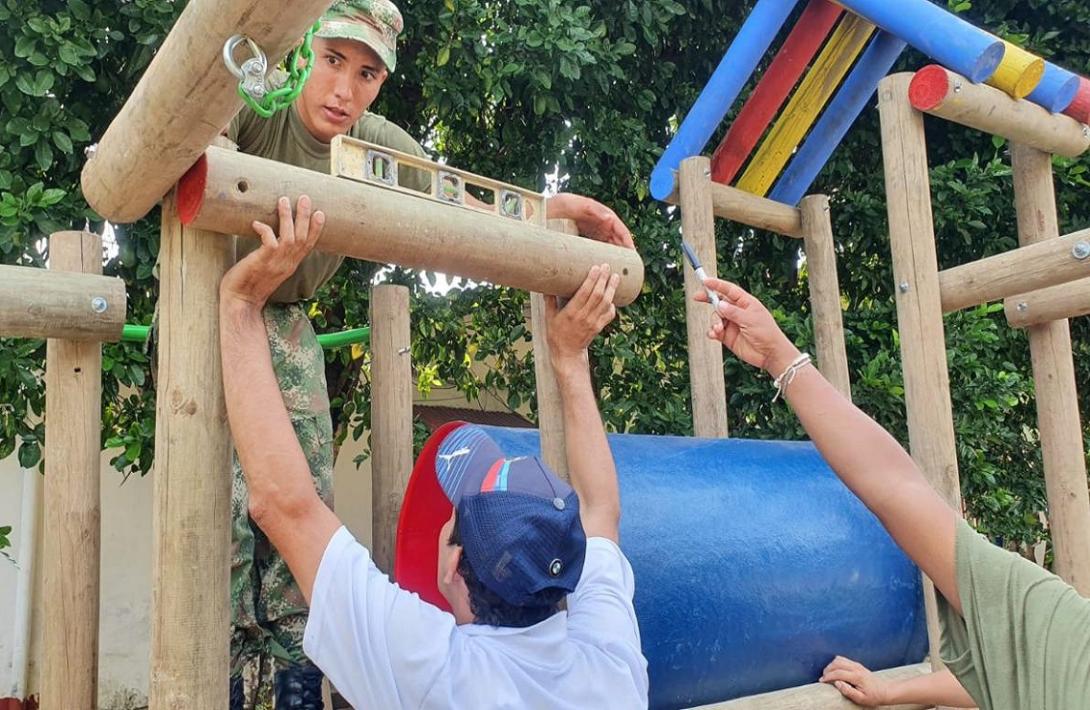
(919, 306)
(832, 354)
(73, 425)
(708, 388)
(391, 416)
(550, 414)
(1054, 376)
(191, 558)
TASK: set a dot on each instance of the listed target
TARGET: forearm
(591, 468)
(276, 471)
(881, 473)
(940, 688)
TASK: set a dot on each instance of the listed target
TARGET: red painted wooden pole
(809, 33)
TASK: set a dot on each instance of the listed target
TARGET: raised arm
(590, 462)
(282, 498)
(856, 683)
(866, 458)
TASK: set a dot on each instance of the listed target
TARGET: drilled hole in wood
(79, 369)
(243, 186)
(624, 272)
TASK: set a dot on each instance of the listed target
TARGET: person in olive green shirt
(1014, 637)
(355, 51)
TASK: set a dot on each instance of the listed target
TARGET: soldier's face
(345, 80)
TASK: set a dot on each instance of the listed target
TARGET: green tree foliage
(589, 91)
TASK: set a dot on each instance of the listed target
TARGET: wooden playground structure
(186, 97)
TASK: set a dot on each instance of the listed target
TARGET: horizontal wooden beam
(753, 211)
(1018, 271)
(38, 303)
(940, 92)
(818, 696)
(1069, 300)
(184, 100)
(226, 191)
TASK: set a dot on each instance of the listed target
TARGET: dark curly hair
(490, 608)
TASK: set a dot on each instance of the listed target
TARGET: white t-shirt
(384, 648)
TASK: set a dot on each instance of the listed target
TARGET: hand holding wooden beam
(226, 191)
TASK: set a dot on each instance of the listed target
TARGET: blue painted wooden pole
(1057, 89)
(734, 70)
(839, 116)
(939, 34)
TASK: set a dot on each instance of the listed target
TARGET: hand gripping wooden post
(184, 100)
(832, 355)
(550, 412)
(1054, 377)
(820, 696)
(73, 422)
(391, 416)
(191, 612)
(919, 307)
(707, 386)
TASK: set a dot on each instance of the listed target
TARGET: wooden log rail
(1019, 271)
(818, 696)
(184, 100)
(940, 92)
(226, 191)
(36, 303)
(753, 211)
(1069, 300)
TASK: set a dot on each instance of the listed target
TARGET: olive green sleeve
(1021, 640)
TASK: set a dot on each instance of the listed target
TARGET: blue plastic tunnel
(754, 566)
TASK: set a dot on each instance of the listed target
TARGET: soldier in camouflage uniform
(270, 613)
(269, 669)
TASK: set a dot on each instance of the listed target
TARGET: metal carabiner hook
(252, 73)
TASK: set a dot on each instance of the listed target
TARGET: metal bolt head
(1085, 131)
(903, 287)
(1022, 306)
(1081, 250)
(957, 87)
(89, 151)
(99, 304)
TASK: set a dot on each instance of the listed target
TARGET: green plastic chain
(282, 97)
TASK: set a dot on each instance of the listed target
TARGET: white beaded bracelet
(788, 375)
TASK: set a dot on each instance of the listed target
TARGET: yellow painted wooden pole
(841, 51)
(1019, 73)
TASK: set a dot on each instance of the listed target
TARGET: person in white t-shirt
(518, 543)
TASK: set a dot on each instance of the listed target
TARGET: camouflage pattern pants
(269, 613)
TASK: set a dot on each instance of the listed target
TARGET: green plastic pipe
(139, 333)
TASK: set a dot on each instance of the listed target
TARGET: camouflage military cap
(376, 23)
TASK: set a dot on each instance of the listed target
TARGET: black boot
(299, 688)
(237, 698)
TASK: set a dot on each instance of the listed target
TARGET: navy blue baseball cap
(519, 523)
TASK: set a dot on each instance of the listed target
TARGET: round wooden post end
(190, 193)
